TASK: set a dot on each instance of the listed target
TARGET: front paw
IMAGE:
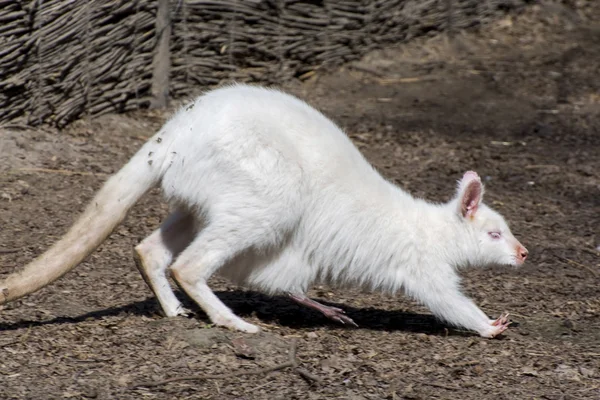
(496, 327)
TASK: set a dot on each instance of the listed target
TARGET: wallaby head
(495, 243)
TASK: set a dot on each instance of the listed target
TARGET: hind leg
(155, 253)
(218, 244)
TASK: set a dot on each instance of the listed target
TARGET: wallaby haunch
(268, 192)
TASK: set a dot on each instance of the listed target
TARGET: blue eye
(495, 235)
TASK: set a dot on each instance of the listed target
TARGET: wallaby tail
(106, 210)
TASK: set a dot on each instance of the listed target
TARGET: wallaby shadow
(283, 311)
(146, 307)
(273, 310)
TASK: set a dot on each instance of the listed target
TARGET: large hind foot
(217, 312)
(333, 313)
(235, 323)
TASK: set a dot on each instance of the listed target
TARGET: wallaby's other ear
(470, 193)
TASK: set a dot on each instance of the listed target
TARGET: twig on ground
(367, 70)
(291, 363)
(439, 385)
(308, 376)
(23, 127)
(259, 387)
(9, 251)
(22, 340)
(25, 335)
(593, 252)
(393, 81)
(575, 263)
(56, 171)
(466, 363)
(296, 365)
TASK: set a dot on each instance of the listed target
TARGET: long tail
(108, 208)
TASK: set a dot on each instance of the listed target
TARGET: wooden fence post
(162, 57)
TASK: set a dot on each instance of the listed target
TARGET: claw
(333, 313)
(501, 324)
(502, 320)
(338, 315)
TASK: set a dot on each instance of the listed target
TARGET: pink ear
(470, 175)
(470, 194)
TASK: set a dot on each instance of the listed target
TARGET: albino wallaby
(273, 195)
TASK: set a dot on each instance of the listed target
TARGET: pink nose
(522, 251)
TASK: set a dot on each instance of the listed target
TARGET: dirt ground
(519, 103)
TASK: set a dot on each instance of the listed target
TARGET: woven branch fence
(63, 59)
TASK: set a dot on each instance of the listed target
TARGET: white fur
(282, 199)
(271, 194)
